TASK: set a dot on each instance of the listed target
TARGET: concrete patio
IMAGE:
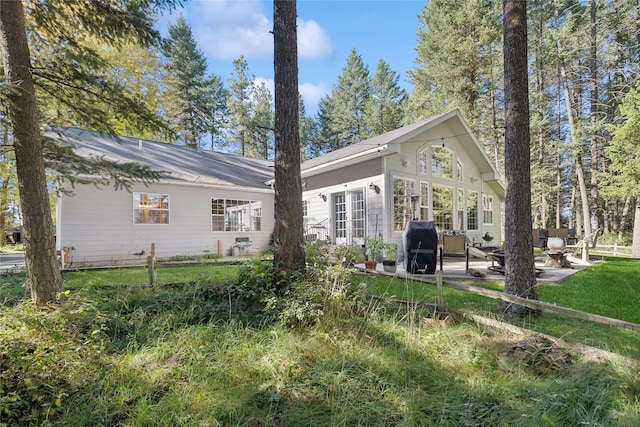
(456, 268)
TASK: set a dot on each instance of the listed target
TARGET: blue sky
(327, 31)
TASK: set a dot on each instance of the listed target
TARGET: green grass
(189, 353)
(608, 289)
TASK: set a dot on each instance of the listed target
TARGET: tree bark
(43, 273)
(289, 255)
(520, 276)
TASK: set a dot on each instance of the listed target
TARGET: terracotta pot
(370, 265)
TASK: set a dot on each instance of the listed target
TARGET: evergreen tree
(67, 75)
(288, 253)
(387, 103)
(520, 279)
(458, 65)
(262, 126)
(186, 83)
(240, 103)
(308, 132)
(215, 101)
(624, 153)
(345, 118)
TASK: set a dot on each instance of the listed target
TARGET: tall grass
(231, 353)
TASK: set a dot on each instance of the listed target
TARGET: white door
(349, 217)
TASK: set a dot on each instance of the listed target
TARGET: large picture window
(236, 215)
(150, 208)
(441, 162)
(443, 207)
(402, 209)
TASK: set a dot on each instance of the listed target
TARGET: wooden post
(151, 265)
(440, 293)
(219, 247)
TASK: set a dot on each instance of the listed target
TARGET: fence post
(151, 265)
(615, 249)
(440, 293)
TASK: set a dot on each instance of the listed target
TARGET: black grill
(420, 242)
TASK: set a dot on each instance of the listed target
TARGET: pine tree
(215, 105)
(262, 126)
(459, 65)
(67, 74)
(520, 279)
(240, 103)
(624, 153)
(387, 102)
(288, 254)
(343, 114)
(186, 81)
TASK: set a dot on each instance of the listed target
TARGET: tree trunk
(571, 117)
(289, 256)
(43, 273)
(594, 146)
(520, 276)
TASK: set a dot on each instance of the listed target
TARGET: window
(472, 210)
(459, 170)
(424, 201)
(150, 208)
(357, 213)
(443, 207)
(487, 210)
(305, 208)
(402, 209)
(460, 223)
(423, 158)
(236, 215)
(340, 215)
(441, 162)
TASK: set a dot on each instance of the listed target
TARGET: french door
(349, 217)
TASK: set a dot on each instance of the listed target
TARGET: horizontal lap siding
(99, 224)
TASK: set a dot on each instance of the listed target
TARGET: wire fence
(71, 257)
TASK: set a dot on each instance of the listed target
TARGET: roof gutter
(382, 150)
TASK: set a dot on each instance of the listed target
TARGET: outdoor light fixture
(323, 196)
(375, 188)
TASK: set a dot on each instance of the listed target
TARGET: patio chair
(582, 245)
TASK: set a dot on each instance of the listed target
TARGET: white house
(205, 203)
(434, 170)
(208, 202)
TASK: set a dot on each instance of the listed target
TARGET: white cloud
(312, 94)
(313, 41)
(226, 29)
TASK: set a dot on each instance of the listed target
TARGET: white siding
(98, 224)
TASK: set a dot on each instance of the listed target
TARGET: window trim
(137, 207)
(487, 202)
(251, 206)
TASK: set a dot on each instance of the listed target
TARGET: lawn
(610, 289)
(192, 352)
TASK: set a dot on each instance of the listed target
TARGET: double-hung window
(149, 208)
(487, 210)
(236, 215)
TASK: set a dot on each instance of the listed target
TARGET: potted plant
(374, 248)
(390, 261)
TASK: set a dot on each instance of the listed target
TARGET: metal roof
(175, 162)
